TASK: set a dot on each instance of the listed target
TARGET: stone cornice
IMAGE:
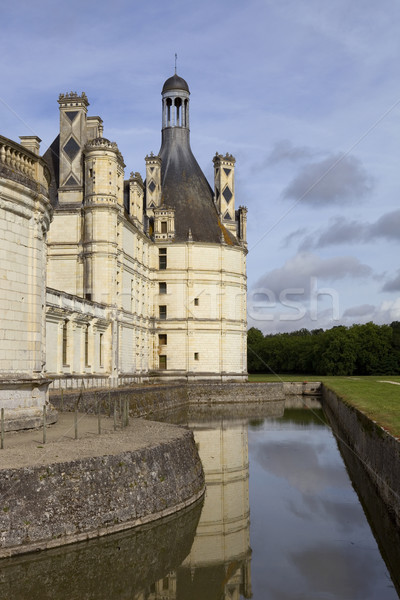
(101, 143)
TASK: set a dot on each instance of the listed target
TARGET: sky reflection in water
(309, 535)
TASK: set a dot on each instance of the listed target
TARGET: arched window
(178, 104)
(169, 104)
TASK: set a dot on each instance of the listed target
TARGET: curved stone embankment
(108, 568)
(376, 448)
(72, 490)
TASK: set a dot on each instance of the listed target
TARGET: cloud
(341, 231)
(393, 285)
(298, 271)
(387, 226)
(298, 233)
(284, 150)
(338, 179)
(386, 312)
(359, 311)
(292, 297)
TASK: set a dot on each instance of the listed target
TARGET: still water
(281, 520)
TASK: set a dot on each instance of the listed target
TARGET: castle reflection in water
(218, 565)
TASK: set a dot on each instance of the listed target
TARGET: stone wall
(44, 506)
(149, 399)
(25, 215)
(378, 451)
(234, 392)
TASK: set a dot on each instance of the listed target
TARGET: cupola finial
(176, 58)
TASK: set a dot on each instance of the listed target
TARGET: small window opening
(87, 346)
(162, 339)
(196, 356)
(64, 342)
(163, 226)
(101, 349)
(162, 287)
(163, 311)
(162, 258)
(162, 361)
(196, 301)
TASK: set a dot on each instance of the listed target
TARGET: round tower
(201, 262)
(103, 200)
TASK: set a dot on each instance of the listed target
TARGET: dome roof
(175, 83)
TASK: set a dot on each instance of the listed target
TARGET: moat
(281, 520)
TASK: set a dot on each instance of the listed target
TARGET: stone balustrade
(21, 161)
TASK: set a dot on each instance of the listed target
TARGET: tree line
(367, 349)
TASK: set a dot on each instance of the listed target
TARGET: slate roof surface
(186, 189)
(52, 158)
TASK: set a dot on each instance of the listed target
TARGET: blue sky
(305, 94)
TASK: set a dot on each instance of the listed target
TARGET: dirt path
(26, 448)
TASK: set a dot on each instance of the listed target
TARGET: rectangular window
(162, 258)
(162, 339)
(87, 346)
(64, 342)
(162, 361)
(196, 356)
(163, 311)
(101, 350)
(163, 226)
(162, 287)
(196, 301)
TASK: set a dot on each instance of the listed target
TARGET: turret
(103, 201)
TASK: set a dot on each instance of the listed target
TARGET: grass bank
(376, 398)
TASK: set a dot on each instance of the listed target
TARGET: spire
(184, 186)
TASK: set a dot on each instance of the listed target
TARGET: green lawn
(379, 401)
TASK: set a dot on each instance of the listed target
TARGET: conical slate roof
(186, 189)
(184, 186)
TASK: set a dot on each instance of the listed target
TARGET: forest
(367, 349)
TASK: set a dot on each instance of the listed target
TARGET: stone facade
(162, 259)
(25, 214)
(146, 280)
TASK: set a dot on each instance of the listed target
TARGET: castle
(107, 281)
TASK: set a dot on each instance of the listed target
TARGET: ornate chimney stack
(73, 137)
(224, 186)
